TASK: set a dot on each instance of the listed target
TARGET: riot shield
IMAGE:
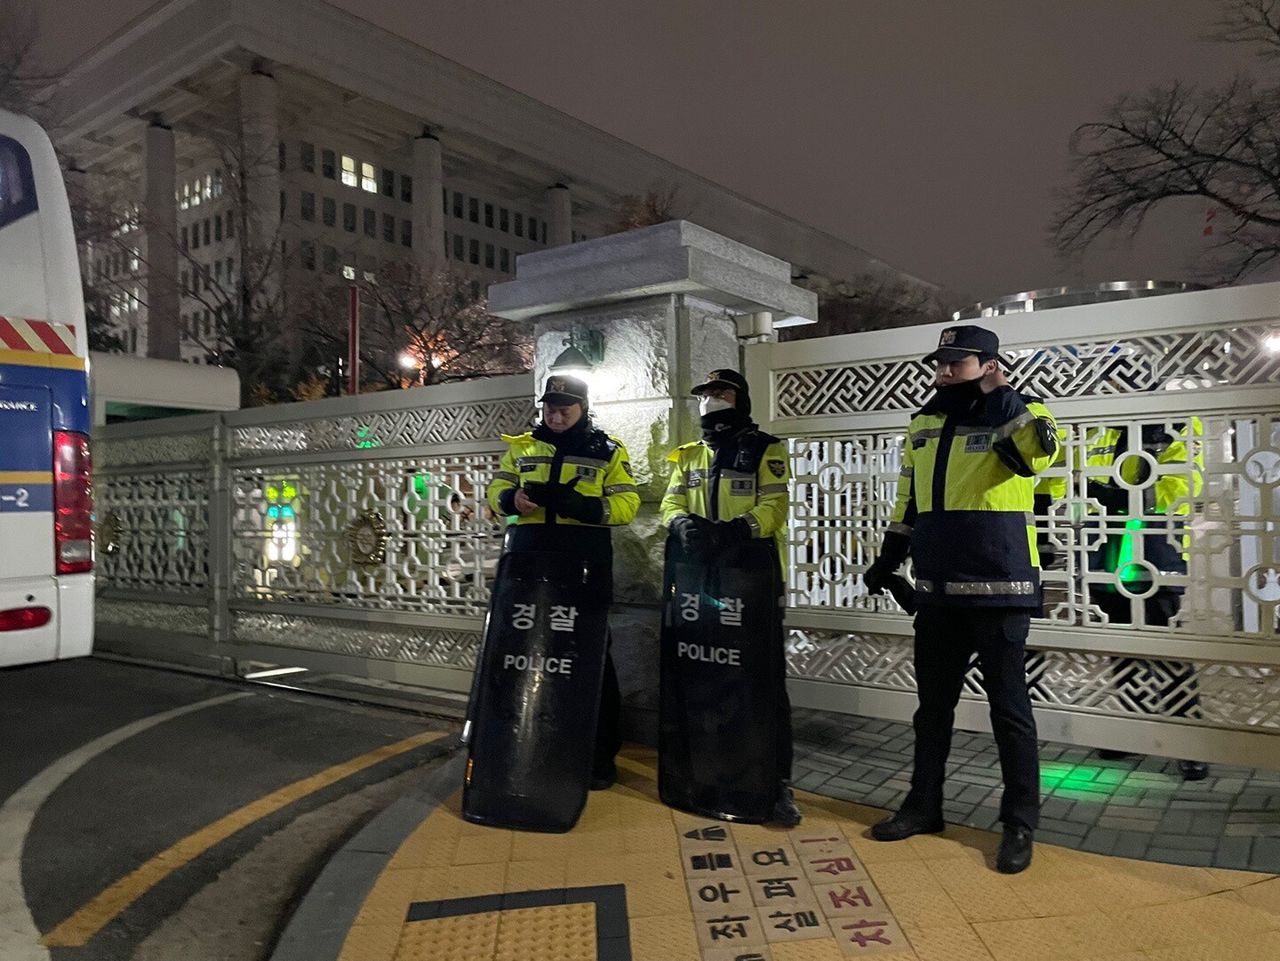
(721, 669)
(536, 693)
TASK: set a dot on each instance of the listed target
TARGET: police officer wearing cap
(726, 489)
(567, 483)
(964, 515)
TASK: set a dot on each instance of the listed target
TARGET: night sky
(931, 133)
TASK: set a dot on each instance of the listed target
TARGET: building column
(260, 162)
(161, 243)
(428, 209)
(559, 216)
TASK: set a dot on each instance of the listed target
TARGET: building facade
(265, 148)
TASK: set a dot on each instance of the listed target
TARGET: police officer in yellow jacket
(963, 513)
(1168, 491)
(726, 489)
(567, 483)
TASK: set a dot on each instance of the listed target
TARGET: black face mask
(957, 398)
(720, 425)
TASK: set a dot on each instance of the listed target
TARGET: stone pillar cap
(677, 257)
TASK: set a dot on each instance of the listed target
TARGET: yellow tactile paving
(560, 932)
(934, 898)
(462, 938)
(372, 942)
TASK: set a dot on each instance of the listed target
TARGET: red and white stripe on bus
(37, 336)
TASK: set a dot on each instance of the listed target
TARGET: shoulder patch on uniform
(777, 468)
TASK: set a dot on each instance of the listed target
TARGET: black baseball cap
(967, 340)
(563, 389)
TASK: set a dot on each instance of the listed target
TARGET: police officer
(1176, 451)
(726, 489)
(963, 513)
(567, 483)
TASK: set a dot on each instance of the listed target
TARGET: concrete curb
(319, 925)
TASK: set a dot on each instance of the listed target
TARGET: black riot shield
(536, 694)
(721, 670)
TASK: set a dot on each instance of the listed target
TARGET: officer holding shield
(567, 483)
(725, 712)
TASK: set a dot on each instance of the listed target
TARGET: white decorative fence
(1207, 684)
(345, 535)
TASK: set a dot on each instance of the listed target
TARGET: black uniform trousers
(946, 640)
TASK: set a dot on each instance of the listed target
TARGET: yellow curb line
(77, 930)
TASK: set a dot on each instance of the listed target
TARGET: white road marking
(19, 937)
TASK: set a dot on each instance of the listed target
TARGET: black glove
(876, 577)
(580, 507)
(539, 492)
(729, 534)
(694, 533)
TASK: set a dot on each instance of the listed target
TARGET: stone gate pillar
(669, 302)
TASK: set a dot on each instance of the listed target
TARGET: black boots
(1015, 849)
(904, 824)
(785, 811)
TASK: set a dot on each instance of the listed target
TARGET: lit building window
(185, 202)
(195, 193)
(208, 186)
(349, 171)
(368, 178)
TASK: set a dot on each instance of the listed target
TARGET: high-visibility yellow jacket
(965, 498)
(755, 486)
(600, 464)
(1170, 493)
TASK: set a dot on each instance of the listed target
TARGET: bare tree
(1218, 144)
(422, 327)
(656, 205)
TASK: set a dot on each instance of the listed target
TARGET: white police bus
(46, 507)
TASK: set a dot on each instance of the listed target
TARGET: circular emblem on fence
(367, 535)
(109, 531)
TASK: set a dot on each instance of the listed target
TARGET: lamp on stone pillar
(583, 352)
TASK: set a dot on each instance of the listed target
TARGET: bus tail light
(72, 503)
(24, 618)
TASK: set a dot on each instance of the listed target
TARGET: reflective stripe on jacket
(603, 470)
(965, 500)
(762, 495)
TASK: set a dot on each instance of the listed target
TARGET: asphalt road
(105, 766)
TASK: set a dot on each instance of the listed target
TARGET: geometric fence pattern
(369, 520)
(1230, 696)
(1127, 364)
